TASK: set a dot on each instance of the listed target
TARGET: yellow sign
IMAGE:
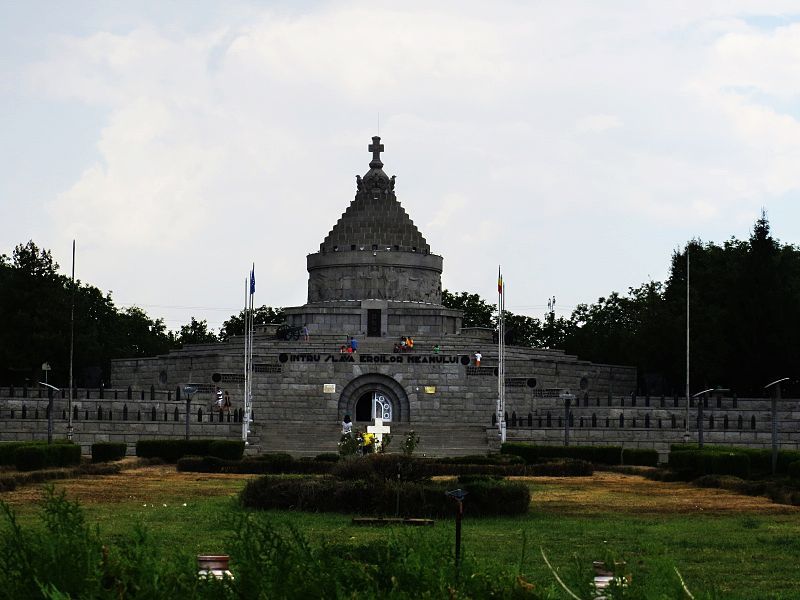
(430, 389)
(328, 388)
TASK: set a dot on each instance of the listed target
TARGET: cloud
(549, 136)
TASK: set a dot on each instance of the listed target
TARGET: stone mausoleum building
(375, 277)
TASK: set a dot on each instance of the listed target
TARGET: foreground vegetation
(723, 544)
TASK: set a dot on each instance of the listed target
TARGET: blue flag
(253, 280)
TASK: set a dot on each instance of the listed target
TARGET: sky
(578, 144)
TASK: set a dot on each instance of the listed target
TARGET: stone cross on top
(376, 148)
(378, 429)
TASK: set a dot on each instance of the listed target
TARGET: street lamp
(775, 389)
(567, 397)
(190, 391)
(700, 411)
(50, 390)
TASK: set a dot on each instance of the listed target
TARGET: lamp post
(50, 390)
(189, 391)
(775, 389)
(458, 495)
(568, 398)
(701, 396)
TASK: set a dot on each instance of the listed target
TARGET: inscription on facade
(411, 359)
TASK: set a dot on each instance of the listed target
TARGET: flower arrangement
(367, 442)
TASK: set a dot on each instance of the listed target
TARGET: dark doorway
(364, 408)
(373, 322)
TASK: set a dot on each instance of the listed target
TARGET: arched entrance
(373, 404)
(364, 395)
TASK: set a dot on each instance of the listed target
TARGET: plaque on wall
(328, 388)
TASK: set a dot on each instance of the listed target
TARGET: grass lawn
(742, 547)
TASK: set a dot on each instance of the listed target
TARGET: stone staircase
(435, 440)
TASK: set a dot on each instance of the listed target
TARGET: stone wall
(378, 274)
(107, 419)
(630, 421)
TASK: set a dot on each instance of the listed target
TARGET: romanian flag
(499, 281)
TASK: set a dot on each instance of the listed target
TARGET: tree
(477, 313)
(35, 308)
(261, 316)
(196, 332)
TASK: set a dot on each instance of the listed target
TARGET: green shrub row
(32, 457)
(10, 481)
(567, 467)
(696, 462)
(9, 449)
(376, 466)
(483, 459)
(108, 451)
(760, 458)
(171, 450)
(212, 464)
(417, 499)
(605, 455)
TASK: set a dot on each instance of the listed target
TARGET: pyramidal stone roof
(375, 220)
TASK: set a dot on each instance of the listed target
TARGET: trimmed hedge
(226, 449)
(171, 450)
(108, 451)
(605, 455)
(253, 466)
(760, 458)
(640, 457)
(32, 457)
(568, 467)
(794, 469)
(485, 498)
(696, 462)
(9, 449)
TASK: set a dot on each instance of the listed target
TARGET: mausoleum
(374, 277)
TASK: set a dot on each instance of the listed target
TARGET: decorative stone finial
(376, 148)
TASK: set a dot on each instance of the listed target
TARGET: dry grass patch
(632, 494)
(156, 484)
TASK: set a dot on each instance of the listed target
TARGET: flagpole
(246, 339)
(503, 364)
(686, 433)
(71, 345)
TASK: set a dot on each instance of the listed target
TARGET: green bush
(279, 459)
(358, 496)
(760, 458)
(172, 449)
(794, 469)
(9, 449)
(108, 451)
(327, 457)
(482, 459)
(646, 457)
(354, 468)
(226, 449)
(731, 464)
(567, 467)
(31, 457)
(211, 464)
(533, 453)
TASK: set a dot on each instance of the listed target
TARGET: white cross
(378, 430)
